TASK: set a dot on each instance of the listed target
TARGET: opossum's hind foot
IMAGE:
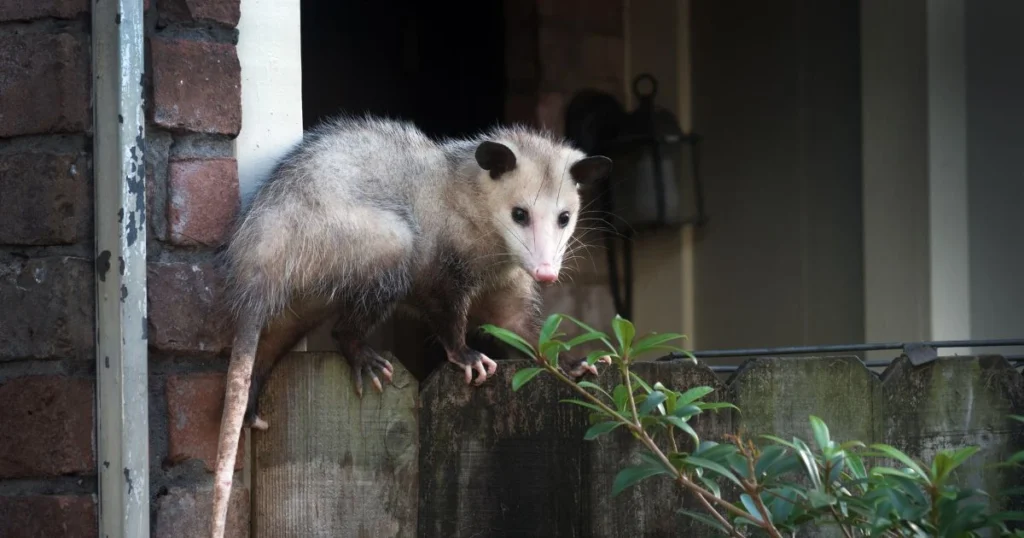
(470, 360)
(251, 419)
(368, 364)
(577, 368)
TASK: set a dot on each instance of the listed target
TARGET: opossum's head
(532, 192)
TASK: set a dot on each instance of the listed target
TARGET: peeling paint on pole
(121, 353)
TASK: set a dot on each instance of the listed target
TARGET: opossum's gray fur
(303, 231)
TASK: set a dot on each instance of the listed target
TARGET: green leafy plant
(772, 488)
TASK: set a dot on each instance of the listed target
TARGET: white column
(269, 51)
(947, 174)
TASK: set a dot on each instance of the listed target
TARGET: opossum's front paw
(470, 360)
(577, 368)
(368, 363)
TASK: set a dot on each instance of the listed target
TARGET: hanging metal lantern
(653, 161)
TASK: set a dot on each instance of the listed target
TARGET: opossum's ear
(590, 169)
(495, 158)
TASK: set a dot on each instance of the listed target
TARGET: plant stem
(846, 531)
(719, 517)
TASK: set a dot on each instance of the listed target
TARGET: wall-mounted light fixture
(653, 160)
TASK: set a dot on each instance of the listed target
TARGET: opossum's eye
(563, 219)
(520, 216)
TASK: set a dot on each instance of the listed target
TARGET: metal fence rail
(918, 352)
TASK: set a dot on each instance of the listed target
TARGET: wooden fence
(447, 460)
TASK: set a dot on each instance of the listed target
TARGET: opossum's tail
(243, 355)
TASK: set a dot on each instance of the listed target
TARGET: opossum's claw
(471, 361)
(368, 364)
(580, 368)
(376, 381)
(259, 424)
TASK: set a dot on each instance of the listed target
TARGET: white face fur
(535, 201)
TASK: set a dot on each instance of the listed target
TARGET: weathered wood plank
(649, 509)
(778, 395)
(331, 464)
(496, 463)
(956, 402)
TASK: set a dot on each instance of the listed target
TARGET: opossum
(369, 214)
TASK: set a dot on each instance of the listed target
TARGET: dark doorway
(438, 64)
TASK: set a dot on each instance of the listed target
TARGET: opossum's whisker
(530, 250)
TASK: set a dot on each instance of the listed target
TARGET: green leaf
(590, 385)
(586, 337)
(588, 405)
(600, 429)
(702, 463)
(821, 435)
(631, 475)
(820, 499)
(769, 456)
(679, 423)
(589, 329)
(621, 397)
(551, 349)
(780, 441)
(956, 458)
(653, 341)
(694, 394)
(712, 486)
(624, 332)
(894, 472)
(713, 406)
(523, 376)
(810, 464)
(687, 411)
(594, 355)
(748, 503)
(549, 327)
(652, 400)
(707, 520)
(511, 339)
(641, 382)
(895, 454)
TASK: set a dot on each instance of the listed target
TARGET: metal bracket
(919, 353)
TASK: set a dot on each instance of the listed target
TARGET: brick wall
(47, 384)
(193, 114)
(555, 48)
(47, 371)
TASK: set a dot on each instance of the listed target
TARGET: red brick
(38, 516)
(47, 198)
(222, 11)
(186, 313)
(196, 86)
(202, 200)
(24, 10)
(194, 406)
(48, 308)
(47, 427)
(183, 513)
(44, 80)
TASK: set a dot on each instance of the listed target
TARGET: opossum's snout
(545, 274)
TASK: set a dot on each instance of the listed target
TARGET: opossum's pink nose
(545, 273)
